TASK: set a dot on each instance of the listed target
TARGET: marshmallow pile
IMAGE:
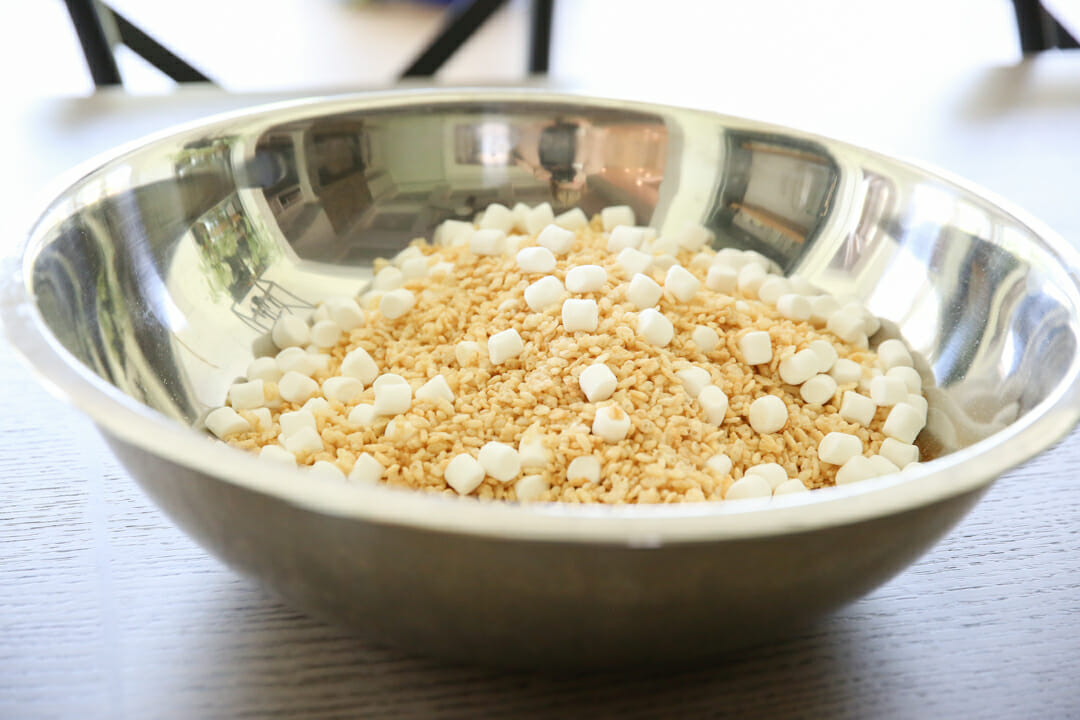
(321, 385)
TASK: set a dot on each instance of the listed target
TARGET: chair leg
(95, 44)
(454, 34)
(155, 53)
(540, 40)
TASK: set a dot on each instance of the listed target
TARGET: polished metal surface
(150, 283)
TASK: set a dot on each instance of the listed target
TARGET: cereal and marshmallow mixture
(537, 357)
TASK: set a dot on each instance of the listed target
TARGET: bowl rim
(117, 415)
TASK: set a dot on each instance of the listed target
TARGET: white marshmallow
(857, 408)
(663, 263)
(719, 464)
(773, 289)
(539, 217)
(794, 307)
(392, 398)
(883, 465)
(265, 369)
(918, 402)
(899, 454)
(533, 452)
(586, 278)
(750, 279)
(359, 364)
(800, 367)
(544, 293)
(290, 331)
(389, 278)
(415, 267)
(247, 395)
(327, 470)
(611, 423)
(822, 308)
(597, 382)
(580, 315)
(826, 354)
(818, 390)
(441, 268)
(893, 353)
(722, 279)
(888, 391)
(749, 486)
(774, 473)
(705, 338)
(325, 334)
(693, 379)
(756, 347)
(714, 402)
(845, 371)
(837, 448)
(643, 292)
(304, 441)
(497, 217)
(530, 488)
(584, 467)
(434, 390)
(681, 283)
(452, 232)
(342, 389)
(363, 415)
(535, 260)
(801, 285)
(519, 211)
(574, 219)
(694, 236)
(278, 454)
(616, 215)
(790, 487)
(911, 377)
(396, 303)
(633, 261)
(263, 419)
(903, 423)
(487, 242)
(500, 461)
(847, 326)
(409, 253)
(753, 257)
(225, 421)
(504, 345)
(388, 379)
(296, 388)
(556, 239)
(467, 353)
(346, 313)
(854, 470)
(399, 430)
(317, 406)
(768, 414)
(622, 237)
(464, 474)
(654, 327)
(366, 469)
(292, 422)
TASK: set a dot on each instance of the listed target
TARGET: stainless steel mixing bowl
(149, 284)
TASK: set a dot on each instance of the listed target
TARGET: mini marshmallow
(722, 279)
(389, 278)
(533, 452)
(888, 391)
(714, 402)
(768, 414)
(265, 369)
(277, 454)
(822, 307)
(790, 487)
(584, 467)
(317, 406)
(681, 283)
(794, 307)
(911, 377)
(883, 465)
(363, 415)
(643, 292)
(247, 395)
(530, 488)
(435, 389)
(539, 217)
(756, 347)
(818, 390)
(500, 461)
(410, 253)
(611, 423)
(325, 333)
(749, 486)
(326, 469)
(346, 313)
(304, 441)
(616, 215)
(705, 338)
(544, 293)
(504, 345)
(800, 367)
(750, 279)
(854, 470)
(535, 260)
(290, 331)
(622, 237)
(452, 232)
(396, 303)
(857, 408)
(392, 398)
(574, 219)
(366, 469)
(342, 389)
(893, 353)
(719, 464)
(826, 354)
(586, 278)
(388, 379)
(296, 388)
(497, 217)
(225, 421)
(414, 267)
(753, 257)
(263, 419)
(633, 261)
(359, 364)
(597, 382)
(774, 473)
(845, 371)
(836, 448)
(399, 430)
(899, 454)
(556, 239)
(464, 474)
(487, 242)
(663, 263)
(693, 237)
(580, 315)
(693, 379)
(773, 289)
(847, 326)
(292, 422)
(654, 327)
(467, 352)
(903, 423)
(918, 402)
(801, 285)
